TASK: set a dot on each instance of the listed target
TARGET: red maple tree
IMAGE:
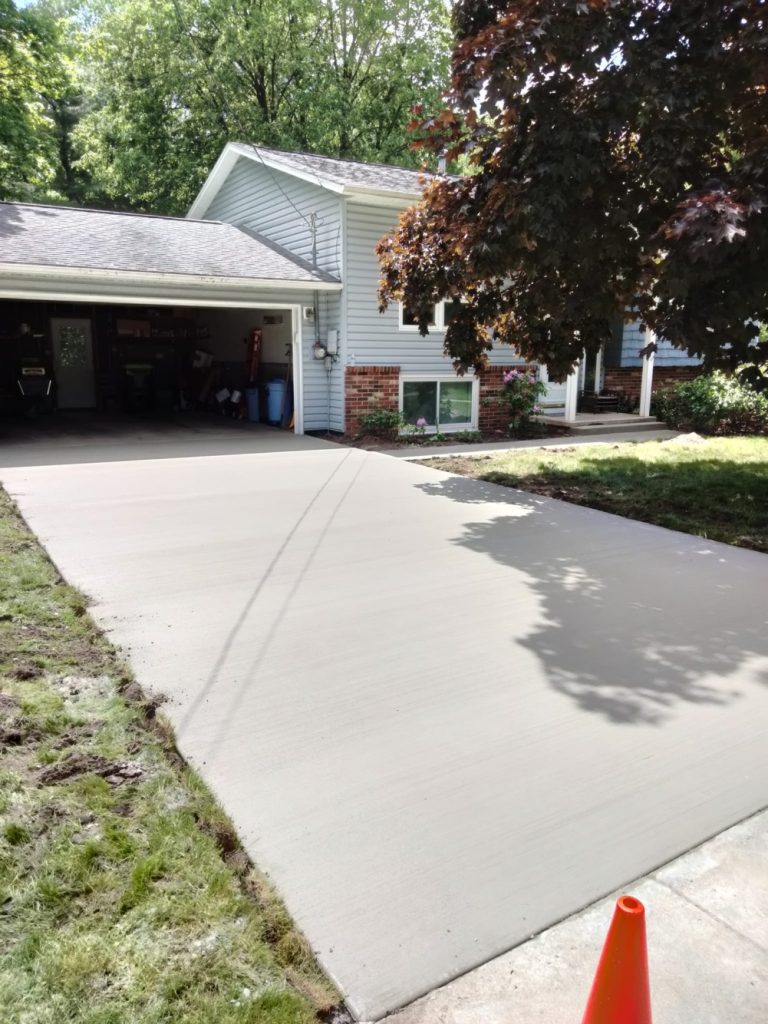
(616, 157)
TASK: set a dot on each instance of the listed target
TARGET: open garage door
(152, 361)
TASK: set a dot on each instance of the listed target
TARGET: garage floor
(88, 437)
(442, 714)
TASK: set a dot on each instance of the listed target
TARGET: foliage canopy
(38, 100)
(618, 152)
(128, 103)
(174, 80)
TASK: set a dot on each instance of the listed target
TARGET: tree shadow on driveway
(633, 620)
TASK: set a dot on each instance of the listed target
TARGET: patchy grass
(124, 894)
(716, 489)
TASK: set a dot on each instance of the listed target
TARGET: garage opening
(150, 361)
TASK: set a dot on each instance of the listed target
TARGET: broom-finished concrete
(442, 714)
(707, 938)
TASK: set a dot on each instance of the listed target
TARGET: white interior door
(73, 363)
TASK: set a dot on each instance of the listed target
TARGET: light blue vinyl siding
(283, 208)
(633, 341)
(329, 309)
(373, 338)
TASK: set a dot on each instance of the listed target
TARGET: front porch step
(610, 424)
(616, 428)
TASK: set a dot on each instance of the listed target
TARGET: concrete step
(636, 424)
(598, 423)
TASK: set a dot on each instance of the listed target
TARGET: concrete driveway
(442, 715)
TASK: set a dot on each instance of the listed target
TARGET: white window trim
(450, 378)
(439, 324)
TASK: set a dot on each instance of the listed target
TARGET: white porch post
(646, 381)
(598, 370)
(572, 394)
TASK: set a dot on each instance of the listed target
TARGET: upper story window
(441, 316)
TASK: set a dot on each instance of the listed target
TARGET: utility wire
(310, 220)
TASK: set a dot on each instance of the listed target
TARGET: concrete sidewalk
(707, 923)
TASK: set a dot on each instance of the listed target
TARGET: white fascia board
(201, 300)
(387, 199)
(160, 290)
(219, 174)
(84, 275)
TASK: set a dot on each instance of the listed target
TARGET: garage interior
(146, 361)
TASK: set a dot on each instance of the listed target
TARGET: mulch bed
(371, 442)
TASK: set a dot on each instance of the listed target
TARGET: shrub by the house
(714, 404)
(380, 422)
(520, 396)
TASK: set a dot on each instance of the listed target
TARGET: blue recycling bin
(275, 398)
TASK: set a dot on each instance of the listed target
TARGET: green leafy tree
(39, 102)
(149, 132)
(62, 92)
(619, 153)
(26, 145)
(173, 80)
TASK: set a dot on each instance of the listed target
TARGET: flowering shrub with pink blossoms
(520, 396)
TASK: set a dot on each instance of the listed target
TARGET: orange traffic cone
(620, 992)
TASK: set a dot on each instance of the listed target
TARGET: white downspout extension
(572, 393)
(646, 381)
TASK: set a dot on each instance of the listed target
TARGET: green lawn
(124, 895)
(718, 489)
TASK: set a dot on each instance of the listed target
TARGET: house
(140, 312)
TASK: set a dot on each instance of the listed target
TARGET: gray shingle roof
(65, 236)
(344, 172)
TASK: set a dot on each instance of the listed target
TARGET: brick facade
(368, 388)
(492, 417)
(626, 379)
(378, 387)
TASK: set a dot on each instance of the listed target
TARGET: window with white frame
(439, 404)
(441, 316)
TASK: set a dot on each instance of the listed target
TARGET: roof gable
(382, 182)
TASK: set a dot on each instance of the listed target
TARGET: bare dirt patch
(8, 705)
(14, 729)
(26, 670)
(375, 442)
(81, 763)
(74, 735)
